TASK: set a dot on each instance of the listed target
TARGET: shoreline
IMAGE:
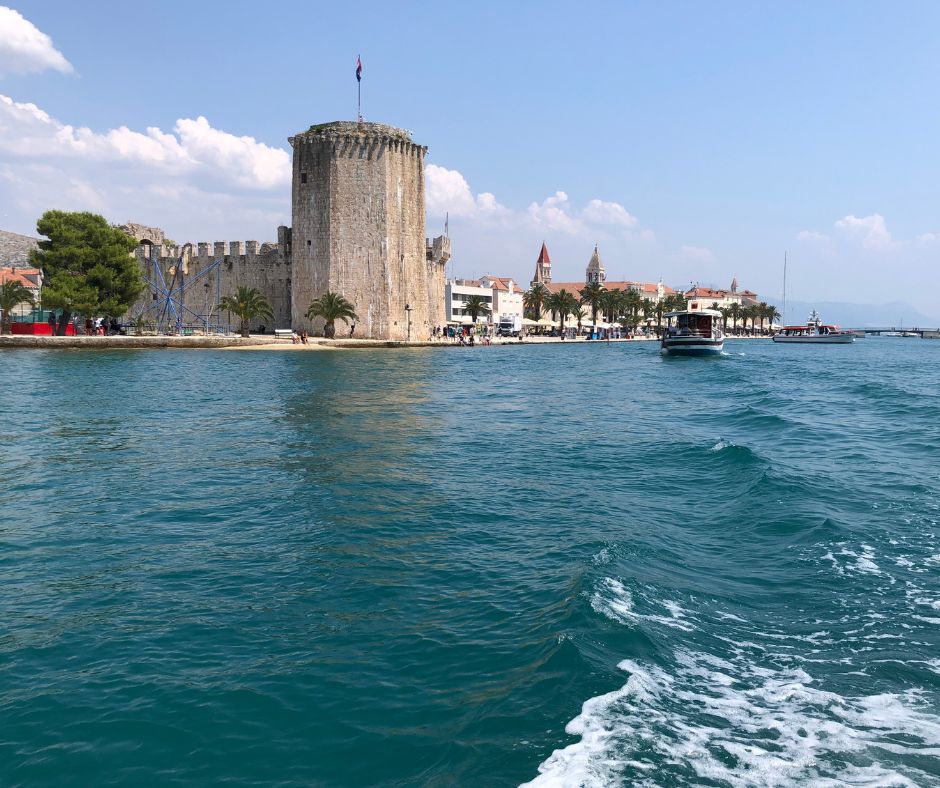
(257, 342)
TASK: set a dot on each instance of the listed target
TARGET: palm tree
(735, 312)
(563, 304)
(649, 309)
(592, 295)
(246, 305)
(725, 314)
(580, 314)
(632, 303)
(332, 307)
(12, 294)
(475, 306)
(612, 304)
(534, 299)
(772, 314)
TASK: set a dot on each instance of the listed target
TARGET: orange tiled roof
(14, 275)
(645, 287)
(502, 283)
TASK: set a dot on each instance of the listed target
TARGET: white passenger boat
(815, 332)
(693, 333)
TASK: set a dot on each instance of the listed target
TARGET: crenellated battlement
(210, 251)
(348, 140)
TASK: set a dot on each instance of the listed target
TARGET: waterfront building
(507, 296)
(595, 273)
(707, 297)
(456, 293)
(30, 278)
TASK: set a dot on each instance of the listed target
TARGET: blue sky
(691, 141)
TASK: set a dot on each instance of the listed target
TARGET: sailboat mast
(784, 316)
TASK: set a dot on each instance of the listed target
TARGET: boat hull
(692, 346)
(830, 339)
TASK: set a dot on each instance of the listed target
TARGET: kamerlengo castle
(358, 215)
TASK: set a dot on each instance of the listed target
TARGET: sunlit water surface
(580, 565)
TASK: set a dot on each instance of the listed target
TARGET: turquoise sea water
(580, 565)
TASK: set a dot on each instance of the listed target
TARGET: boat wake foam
(741, 724)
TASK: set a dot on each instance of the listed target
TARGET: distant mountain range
(894, 314)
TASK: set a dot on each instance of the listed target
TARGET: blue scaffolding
(168, 309)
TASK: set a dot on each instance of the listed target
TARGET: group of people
(98, 326)
(461, 335)
(301, 338)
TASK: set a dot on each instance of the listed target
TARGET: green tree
(246, 305)
(12, 294)
(87, 266)
(592, 296)
(475, 306)
(580, 314)
(332, 307)
(534, 300)
(563, 304)
(725, 314)
(735, 311)
(612, 304)
(771, 314)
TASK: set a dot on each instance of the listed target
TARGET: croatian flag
(358, 69)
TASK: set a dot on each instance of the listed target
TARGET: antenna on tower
(447, 224)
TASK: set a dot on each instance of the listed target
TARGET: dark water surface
(580, 565)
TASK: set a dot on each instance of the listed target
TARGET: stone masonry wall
(358, 227)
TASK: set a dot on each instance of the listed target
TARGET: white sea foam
(614, 600)
(742, 725)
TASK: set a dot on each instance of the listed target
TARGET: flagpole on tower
(359, 87)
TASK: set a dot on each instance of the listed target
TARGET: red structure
(39, 329)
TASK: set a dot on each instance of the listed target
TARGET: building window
(308, 243)
(303, 177)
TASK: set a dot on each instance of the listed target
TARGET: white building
(501, 294)
(507, 297)
(456, 293)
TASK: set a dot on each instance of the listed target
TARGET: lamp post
(408, 312)
(207, 308)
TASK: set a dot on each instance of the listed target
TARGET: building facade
(507, 296)
(712, 298)
(456, 293)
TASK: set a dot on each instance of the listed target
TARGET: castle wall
(266, 267)
(358, 228)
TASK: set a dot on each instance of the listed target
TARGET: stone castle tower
(358, 229)
(595, 269)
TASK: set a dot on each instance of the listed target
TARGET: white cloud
(811, 235)
(28, 131)
(447, 191)
(554, 213)
(870, 231)
(24, 49)
(697, 254)
(608, 213)
(928, 238)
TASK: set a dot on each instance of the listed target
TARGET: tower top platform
(341, 129)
